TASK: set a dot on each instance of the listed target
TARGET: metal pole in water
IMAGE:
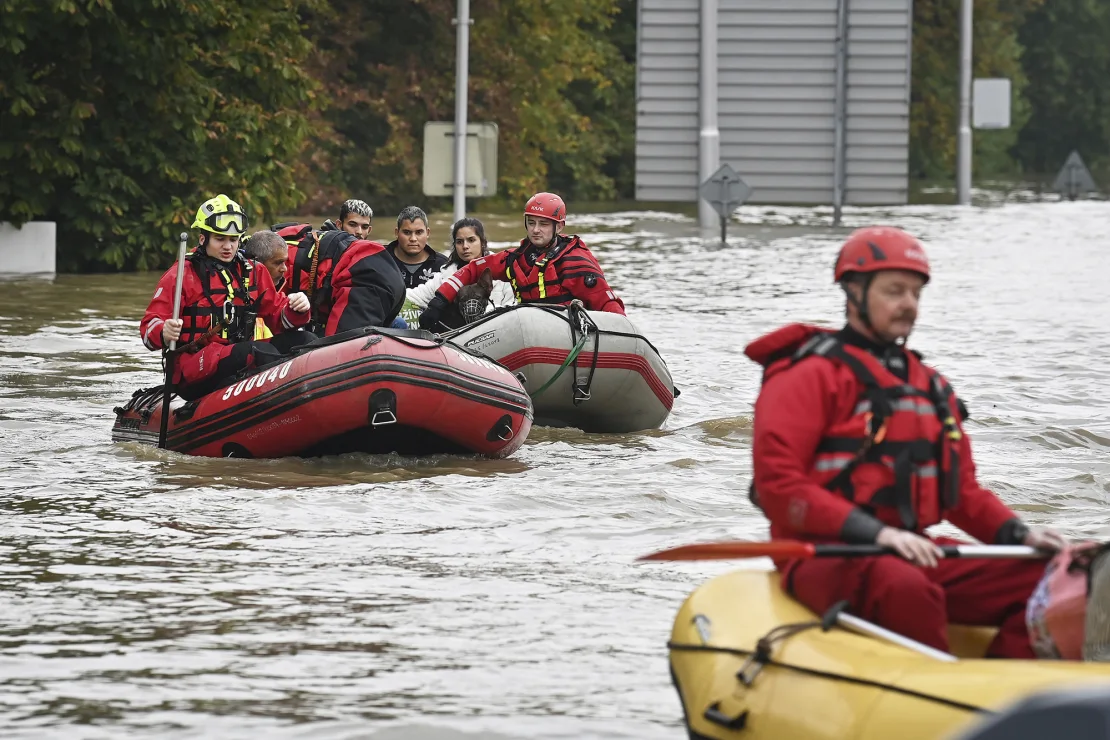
(963, 138)
(839, 135)
(724, 230)
(709, 136)
(462, 78)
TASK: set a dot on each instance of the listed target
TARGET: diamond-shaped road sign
(725, 190)
(1074, 178)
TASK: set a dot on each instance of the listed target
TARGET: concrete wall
(776, 98)
(29, 250)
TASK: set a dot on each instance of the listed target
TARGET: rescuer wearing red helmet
(856, 440)
(547, 267)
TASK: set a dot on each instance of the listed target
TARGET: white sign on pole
(991, 103)
(439, 159)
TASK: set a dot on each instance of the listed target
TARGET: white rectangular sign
(991, 103)
(439, 158)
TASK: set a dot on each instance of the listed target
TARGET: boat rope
(580, 389)
(559, 311)
(566, 363)
(831, 676)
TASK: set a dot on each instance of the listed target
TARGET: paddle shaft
(796, 549)
(1020, 552)
(862, 625)
(170, 354)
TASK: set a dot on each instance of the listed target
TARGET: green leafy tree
(548, 72)
(119, 117)
(1067, 61)
(934, 106)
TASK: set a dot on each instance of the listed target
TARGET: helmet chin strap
(865, 315)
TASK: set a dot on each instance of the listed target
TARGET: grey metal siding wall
(879, 39)
(667, 101)
(776, 98)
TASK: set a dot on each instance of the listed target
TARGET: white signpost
(991, 104)
(439, 159)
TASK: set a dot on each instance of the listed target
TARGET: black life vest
(231, 295)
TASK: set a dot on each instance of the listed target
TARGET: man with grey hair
(269, 249)
(417, 261)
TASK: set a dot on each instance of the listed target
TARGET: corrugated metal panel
(776, 98)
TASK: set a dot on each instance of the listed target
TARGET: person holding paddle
(857, 441)
(222, 295)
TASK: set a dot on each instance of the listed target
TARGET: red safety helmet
(878, 248)
(546, 205)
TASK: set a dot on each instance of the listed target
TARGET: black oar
(795, 549)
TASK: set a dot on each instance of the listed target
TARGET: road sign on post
(991, 103)
(725, 190)
(481, 159)
(1074, 178)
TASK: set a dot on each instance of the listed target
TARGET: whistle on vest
(874, 436)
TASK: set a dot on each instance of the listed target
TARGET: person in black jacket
(417, 262)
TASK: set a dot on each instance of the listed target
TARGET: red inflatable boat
(373, 390)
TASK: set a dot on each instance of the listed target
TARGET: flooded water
(147, 594)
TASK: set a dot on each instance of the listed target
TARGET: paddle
(795, 549)
(170, 354)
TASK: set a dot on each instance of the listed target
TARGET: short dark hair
(262, 245)
(359, 207)
(412, 213)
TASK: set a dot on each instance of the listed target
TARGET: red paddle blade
(735, 550)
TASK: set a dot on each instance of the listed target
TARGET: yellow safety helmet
(221, 215)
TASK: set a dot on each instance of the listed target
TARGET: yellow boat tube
(812, 683)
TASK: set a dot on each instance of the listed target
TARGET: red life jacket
(542, 282)
(897, 454)
(230, 294)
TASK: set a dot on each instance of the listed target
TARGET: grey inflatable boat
(585, 369)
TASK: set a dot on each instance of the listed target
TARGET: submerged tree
(121, 116)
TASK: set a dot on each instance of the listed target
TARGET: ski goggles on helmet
(221, 215)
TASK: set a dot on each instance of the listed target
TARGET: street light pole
(963, 139)
(462, 78)
(709, 136)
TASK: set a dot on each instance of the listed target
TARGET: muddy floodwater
(146, 594)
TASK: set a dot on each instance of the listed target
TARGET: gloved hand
(298, 302)
(429, 317)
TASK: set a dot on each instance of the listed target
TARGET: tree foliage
(546, 71)
(934, 106)
(119, 117)
(1067, 59)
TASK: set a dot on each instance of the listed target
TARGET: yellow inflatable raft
(811, 683)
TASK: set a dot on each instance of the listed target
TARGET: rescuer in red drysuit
(220, 285)
(547, 267)
(855, 440)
